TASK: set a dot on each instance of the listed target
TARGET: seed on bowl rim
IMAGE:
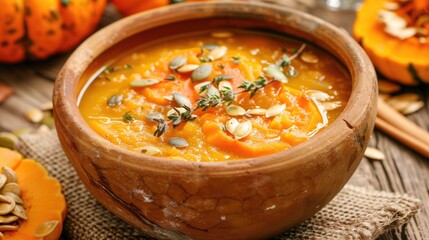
(154, 115)
(144, 82)
(19, 211)
(34, 115)
(234, 110)
(413, 107)
(178, 142)
(309, 57)
(257, 111)
(187, 68)
(275, 110)
(318, 95)
(276, 72)
(198, 87)
(222, 34)
(202, 72)
(243, 130)
(177, 62)
(217, 53)
(45, 229)
(231, 125)
(181, 100)
(374, 154)
(149, 150)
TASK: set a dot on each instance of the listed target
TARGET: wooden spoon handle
(403, 137)
(393, 117)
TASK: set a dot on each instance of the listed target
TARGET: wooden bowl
(247, 199)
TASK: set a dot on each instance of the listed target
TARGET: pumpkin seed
(318, 95)
(374, 154)
(178, 142)
(8, 219)
(234, 110)
(187, 68)
(115, 100)
(172, 111)
(257, 111)
(48, 106)
(19, 211)
(212, 91)
(401, 102)
(309, 57)
(243, 130)
(388, 87)
(48, 120)
(22, 131)
(8, 140)
(181, 100)
(328, 106)
(275, 72)
(34, 115)
(5, 228)
(3, 180)
(225, 86)
(209, 46)
(217, 53)
(177, 62)
(11, 187)
(413, 107)
(169, 97)
(222, 34)
(149, 150)
(6, 198)
(391, 6)
(153, 116)
(15, 197)
(202, 72)
(42, 129)
(10, 175)
(275, 110)
(198, 87)
(401, 33)
(7, 207)
(231, 125)
(143, 82)
(45, 228)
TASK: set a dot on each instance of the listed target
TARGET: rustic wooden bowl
(247, 199)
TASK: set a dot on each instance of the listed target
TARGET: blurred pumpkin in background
(128, 7)
(37, 29)
(395, 35)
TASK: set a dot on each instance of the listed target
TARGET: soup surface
(216, 96)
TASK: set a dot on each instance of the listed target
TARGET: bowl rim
(358, 65)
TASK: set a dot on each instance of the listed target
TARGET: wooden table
(403, 171)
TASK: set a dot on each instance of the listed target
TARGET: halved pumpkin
(402, 60)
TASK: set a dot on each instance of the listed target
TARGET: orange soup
(216, 96)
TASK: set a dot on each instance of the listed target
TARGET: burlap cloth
(355, 213)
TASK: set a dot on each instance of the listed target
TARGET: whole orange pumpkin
(34, 29)
(128, 7)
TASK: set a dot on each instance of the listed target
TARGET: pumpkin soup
(216, 96)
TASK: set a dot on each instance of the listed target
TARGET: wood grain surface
(403, 170)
